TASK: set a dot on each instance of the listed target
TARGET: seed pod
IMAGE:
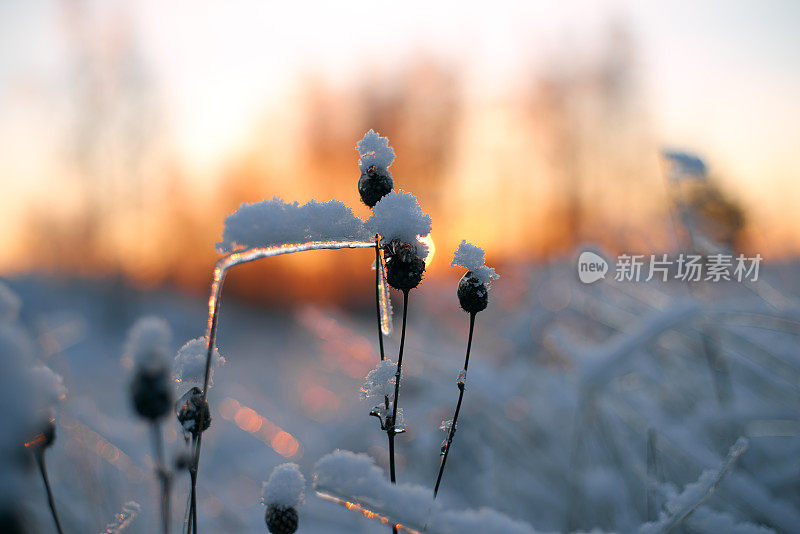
(151, 393)
(472, 294)
(193, 412)
(373, 185)
(281, 519)
(44, 437)
(404, 269)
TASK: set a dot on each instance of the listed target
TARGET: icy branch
(274, 222)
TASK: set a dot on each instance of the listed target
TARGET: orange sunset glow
(526, 139)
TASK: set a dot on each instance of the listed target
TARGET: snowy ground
(566, 383)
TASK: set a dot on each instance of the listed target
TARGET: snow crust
(374, 150)
(473, 259)
(275, 222)
(285, 486)
(190, 362)
(356, 478)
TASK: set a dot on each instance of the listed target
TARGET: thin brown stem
(452, 430)
(43, 469)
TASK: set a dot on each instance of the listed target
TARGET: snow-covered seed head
(404, 267)
(373, 185)
(193, 412)
(285, 486)
(473, 288)
(281, 519)
(282, 493)
(148, 346)
(399, 217)
(375, 152)
(472, 294)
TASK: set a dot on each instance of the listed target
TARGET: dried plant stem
(192, 512)
(452, 430)
(390, 427)
(43, 469)
(220, 270)
(161, 469)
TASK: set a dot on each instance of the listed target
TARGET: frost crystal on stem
(379, 383)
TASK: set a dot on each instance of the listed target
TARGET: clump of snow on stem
(190, 362)
(473, 259)
(380, 381)
(285, 486)
(355, 478)
(9, 303)
(375, 151)
(148, 343)
(275, 222)
(399, 216)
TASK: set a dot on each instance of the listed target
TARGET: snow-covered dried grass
(275, 222)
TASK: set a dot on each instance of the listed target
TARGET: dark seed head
(151, 392)
(193, 412)
(45, 435)
(281, 519)
(373, 185)
(472, 294)
(404, 269)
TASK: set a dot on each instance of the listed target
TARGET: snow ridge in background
(374, 151)
(285, 486)
(473, 259)
(275, 222)
(190, 362)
